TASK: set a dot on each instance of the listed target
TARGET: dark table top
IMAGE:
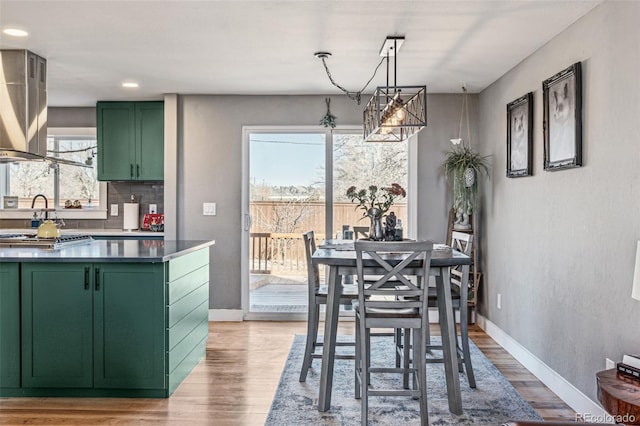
(341, 255)
(116, 250)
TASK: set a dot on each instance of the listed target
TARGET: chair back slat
(313, 272)
(462, 242)
(361, 232)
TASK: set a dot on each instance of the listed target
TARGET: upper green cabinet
(130, 140)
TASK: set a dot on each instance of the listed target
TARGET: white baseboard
(571, 395)
(225, 315)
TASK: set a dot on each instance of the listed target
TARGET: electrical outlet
(153, 208)
(499, 301)
(609, 364)
(209, 209)
(114, 210)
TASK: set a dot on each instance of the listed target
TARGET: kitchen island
(115, 318)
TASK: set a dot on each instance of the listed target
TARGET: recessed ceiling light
(15, 32)
(129, 84)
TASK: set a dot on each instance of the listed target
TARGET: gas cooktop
(32, 241)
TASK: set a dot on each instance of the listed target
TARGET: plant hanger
(463, 113)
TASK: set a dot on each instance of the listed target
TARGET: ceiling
(266, 47)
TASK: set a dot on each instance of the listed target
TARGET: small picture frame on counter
(10, 202)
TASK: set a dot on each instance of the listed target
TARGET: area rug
(491, 403)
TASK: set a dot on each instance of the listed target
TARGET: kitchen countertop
(115, 250)
(92, 232)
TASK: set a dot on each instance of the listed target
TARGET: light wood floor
(236, 383)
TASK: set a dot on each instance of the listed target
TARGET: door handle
(247, 222)
(86, 278)
(97, 279)
(138, 170)
(131, 173)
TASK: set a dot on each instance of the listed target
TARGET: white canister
(131, 216)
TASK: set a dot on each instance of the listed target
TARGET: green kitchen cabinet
(57, 325)
(93, 326)
(130, 141)
(129, 326)
(9, 325)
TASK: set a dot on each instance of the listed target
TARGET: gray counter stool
(317, 295)
(462, 242)
(402, 306)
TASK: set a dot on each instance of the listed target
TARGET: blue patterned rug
(493, 402)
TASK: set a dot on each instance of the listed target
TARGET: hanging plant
(329, 120)
(464, 167)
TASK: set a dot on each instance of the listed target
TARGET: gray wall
(434, 200)
(209, 167)
(71, 117)
(560, 246)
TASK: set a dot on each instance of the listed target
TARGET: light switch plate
(114, 210)
(209, 209)
(153, 208)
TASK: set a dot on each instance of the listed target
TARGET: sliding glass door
(296, 180)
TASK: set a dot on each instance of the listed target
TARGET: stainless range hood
(23, 108)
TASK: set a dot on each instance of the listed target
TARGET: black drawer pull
(97, 279)
(86, 278)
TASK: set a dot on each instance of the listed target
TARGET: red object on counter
(149, 218)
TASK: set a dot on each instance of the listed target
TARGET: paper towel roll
(131, 216)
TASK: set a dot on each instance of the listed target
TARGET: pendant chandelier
(393, 113)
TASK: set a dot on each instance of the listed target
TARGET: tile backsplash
(117, 193)
(120, 192)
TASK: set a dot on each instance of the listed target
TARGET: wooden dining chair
(462, 242)
(403, 306)
(317, 295)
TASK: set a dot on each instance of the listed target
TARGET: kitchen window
(73, 191)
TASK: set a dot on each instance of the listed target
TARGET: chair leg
(460, 360)
(464, 337)
(312, 336)
(406, 355)
(365, 379)
(367, 338)
(397, 337)
(420, 364)
(428, 334)
(358, 364)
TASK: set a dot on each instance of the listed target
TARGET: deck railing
(281, 253)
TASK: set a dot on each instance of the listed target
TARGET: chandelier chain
(356, 96)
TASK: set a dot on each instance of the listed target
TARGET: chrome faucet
(46, 204)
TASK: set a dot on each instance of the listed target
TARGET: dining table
(340, 257)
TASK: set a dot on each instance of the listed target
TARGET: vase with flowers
(375, 202)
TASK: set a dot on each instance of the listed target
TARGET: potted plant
(464, 166)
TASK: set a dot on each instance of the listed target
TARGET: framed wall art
(562, 122)
(520, 137)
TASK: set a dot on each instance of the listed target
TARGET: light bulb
(400, 114)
